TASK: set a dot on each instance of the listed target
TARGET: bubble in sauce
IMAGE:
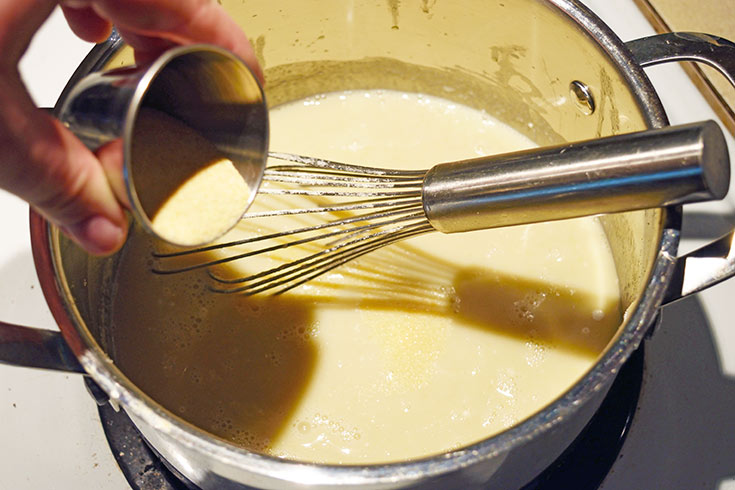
(535, 353)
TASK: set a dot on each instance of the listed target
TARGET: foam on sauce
(422, 347)
(189, 190)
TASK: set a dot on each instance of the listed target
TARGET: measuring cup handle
(714, 262)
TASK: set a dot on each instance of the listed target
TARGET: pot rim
(121, 390)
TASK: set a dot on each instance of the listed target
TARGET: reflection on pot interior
(422, 347)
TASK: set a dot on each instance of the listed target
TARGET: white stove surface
(682, 437)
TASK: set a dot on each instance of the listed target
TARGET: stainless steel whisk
(647, 169)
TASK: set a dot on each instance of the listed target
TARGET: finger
(71, 189)
(111, 157)
(178, 21)
(146, 48)
(87, 24)
(18, 23)
(40, 160)
(45, 164)
(97, 235)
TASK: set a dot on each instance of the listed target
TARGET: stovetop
(682, 435)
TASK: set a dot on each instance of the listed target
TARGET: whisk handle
(647, 169)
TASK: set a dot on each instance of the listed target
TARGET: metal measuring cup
(205, 87)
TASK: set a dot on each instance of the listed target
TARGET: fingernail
(98, 235)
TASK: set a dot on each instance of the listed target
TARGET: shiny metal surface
(646, 169)
(711, 50)
(23, 346)
(207, 88)
(364, 45)
(703, 268)
(529, 51)
(663, 167)
(715, 262)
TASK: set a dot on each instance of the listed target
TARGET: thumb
(44, 163)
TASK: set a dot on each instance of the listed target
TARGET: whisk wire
(559, 182)
(389, 203)
(346, 237)
(352, 206)
(388, 218)
(300, 271)
(300, 176)
(320, 193)
(342, 167)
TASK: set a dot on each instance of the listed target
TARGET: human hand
(43, 162)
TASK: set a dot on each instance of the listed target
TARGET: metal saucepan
(550, 69)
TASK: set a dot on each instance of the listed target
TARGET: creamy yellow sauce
(425, 346)
(189, 191)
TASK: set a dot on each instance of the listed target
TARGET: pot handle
(715, 262)
(38, 348)
(46, 349)
(715, 51)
